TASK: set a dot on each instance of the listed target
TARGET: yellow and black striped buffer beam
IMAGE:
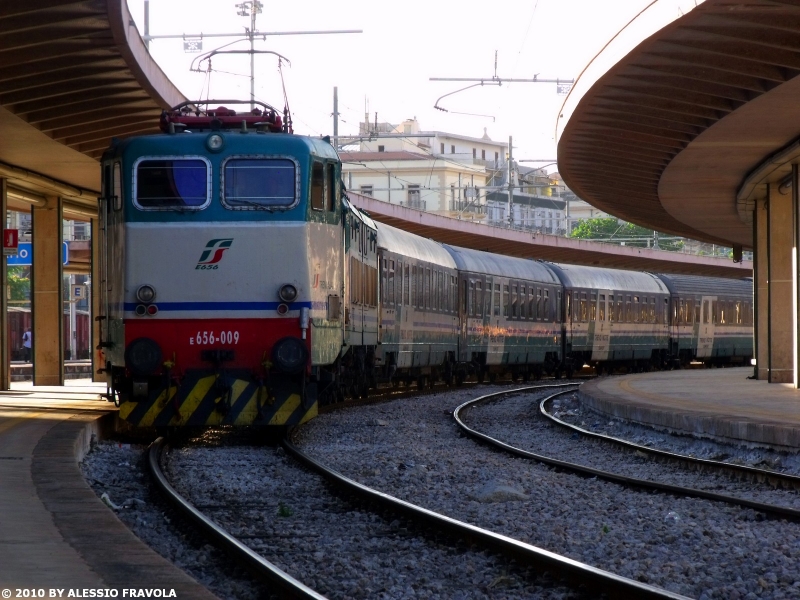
(204, 399)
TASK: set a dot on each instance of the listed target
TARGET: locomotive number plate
(204, 338)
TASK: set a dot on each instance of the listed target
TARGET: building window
(366, 190)
(483, 154)
(496, 157)
(452, 149)
(474, 153)
(442, 148)
(414, 200)
(381, 148)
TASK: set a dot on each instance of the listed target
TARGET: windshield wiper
(253, 204)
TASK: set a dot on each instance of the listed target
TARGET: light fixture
(288, 293)
(146, 293)
(214, 142)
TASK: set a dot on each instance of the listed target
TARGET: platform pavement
(55, 533)
(718, 403)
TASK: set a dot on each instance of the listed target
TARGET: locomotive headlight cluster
(145, 294)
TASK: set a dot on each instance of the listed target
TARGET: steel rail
(782, 511)
(570, 572)
(288, 586)
(760, 474)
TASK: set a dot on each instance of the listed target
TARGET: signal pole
(510, 183)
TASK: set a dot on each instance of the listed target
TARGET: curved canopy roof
(668, 135)
(73, 74)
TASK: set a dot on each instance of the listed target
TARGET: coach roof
(475, 261)
(609, 279)
(401, 242)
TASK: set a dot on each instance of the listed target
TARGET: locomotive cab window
(317, 186)
(167, 183)
(331, 188)
(252, 183)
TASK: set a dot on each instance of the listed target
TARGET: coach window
(546, 315)
(593, 307)
(471, 299)
(170, 183)
(479, 298)
(558, 306)
(652, 310)
(496, 299)
(523, 302)
(584, 311)
(714, 312)
(505, 301)
(406, 285)
(602, 307)
(514, 301)
(611, 308)
(636, 309)
(391, 283)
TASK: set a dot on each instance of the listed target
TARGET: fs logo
(212, 254)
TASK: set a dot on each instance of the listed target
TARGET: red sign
(10, 241)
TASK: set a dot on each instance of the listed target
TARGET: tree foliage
(19, 283)
(609, 229)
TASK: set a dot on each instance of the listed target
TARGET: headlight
(143, 356)
(146, 293)
(290, 355)
(214, 142)
(288, 293)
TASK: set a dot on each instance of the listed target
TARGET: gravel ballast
(412, 449)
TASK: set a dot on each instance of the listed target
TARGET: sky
(387, 68)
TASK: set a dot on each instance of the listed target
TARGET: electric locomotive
(223, 268)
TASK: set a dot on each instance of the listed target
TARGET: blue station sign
(24, 256)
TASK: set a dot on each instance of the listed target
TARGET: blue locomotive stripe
(173, 306)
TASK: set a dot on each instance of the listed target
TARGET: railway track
(286, 585)
(565, 572)
(693, 463)
(573, 573)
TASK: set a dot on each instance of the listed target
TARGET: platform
(717, 403)
(54, 530)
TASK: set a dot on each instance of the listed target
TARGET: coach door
(705, 329)
(602, 326)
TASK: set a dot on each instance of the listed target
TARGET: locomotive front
(222, 261)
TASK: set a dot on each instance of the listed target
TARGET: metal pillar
(5, 349)
(47, 284)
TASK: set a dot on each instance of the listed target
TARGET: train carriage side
(222, 266)
(509, 311)
(711, 319)
(613, 318)
(419, 321)
(361, 305)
